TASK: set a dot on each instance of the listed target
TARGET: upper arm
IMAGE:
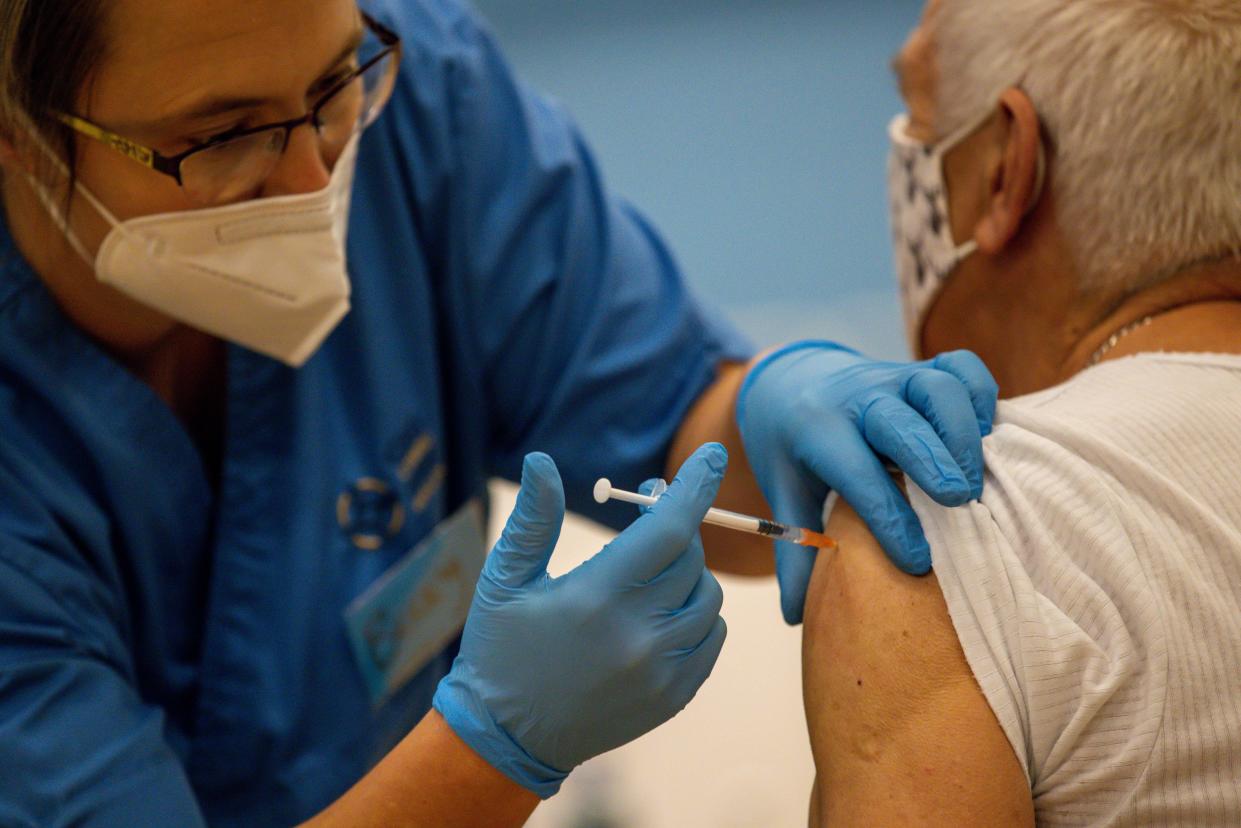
(77, 744)
(900, 731)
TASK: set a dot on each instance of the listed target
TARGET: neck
(1196, 311)
(1045, 331)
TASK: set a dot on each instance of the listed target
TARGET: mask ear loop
(941, 148)
(49, 204)
(59, 219)
(945, 146)
(1040, 181)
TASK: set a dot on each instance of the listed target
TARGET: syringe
(722, 517)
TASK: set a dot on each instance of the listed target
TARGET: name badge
(419, 605)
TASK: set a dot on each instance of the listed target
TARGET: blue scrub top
(170, 654)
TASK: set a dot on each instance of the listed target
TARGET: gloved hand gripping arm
(816, 416)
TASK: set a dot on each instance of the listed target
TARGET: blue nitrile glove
(553, 671)
(816, 416)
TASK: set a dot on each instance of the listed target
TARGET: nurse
(282, 284)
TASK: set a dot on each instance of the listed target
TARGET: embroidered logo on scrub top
(371, 512)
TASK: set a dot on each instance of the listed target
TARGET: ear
(1015, 182)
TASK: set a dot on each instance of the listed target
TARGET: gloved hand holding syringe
(721, 517)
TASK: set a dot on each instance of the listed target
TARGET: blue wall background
(753, 133)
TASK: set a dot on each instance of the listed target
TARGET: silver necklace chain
(1114, 339)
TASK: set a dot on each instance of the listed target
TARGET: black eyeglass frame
(170, 165)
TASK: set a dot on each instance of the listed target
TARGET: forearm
(431, 778)
(713, 419)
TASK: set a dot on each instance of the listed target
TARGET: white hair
(1141, 101)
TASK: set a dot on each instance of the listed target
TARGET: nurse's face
(176, 73)
(173, 74)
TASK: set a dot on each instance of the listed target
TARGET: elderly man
(1067, 190)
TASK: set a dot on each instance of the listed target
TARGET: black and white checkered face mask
(926, 252)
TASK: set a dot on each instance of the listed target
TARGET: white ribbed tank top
(1096, 590)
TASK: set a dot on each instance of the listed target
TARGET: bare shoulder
(899, 728)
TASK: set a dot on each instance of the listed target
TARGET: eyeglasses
(234, 166)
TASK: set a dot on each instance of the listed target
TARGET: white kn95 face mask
(268, 274)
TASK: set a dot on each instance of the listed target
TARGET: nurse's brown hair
(48, 49)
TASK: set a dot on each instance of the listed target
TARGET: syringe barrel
(732, 520)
